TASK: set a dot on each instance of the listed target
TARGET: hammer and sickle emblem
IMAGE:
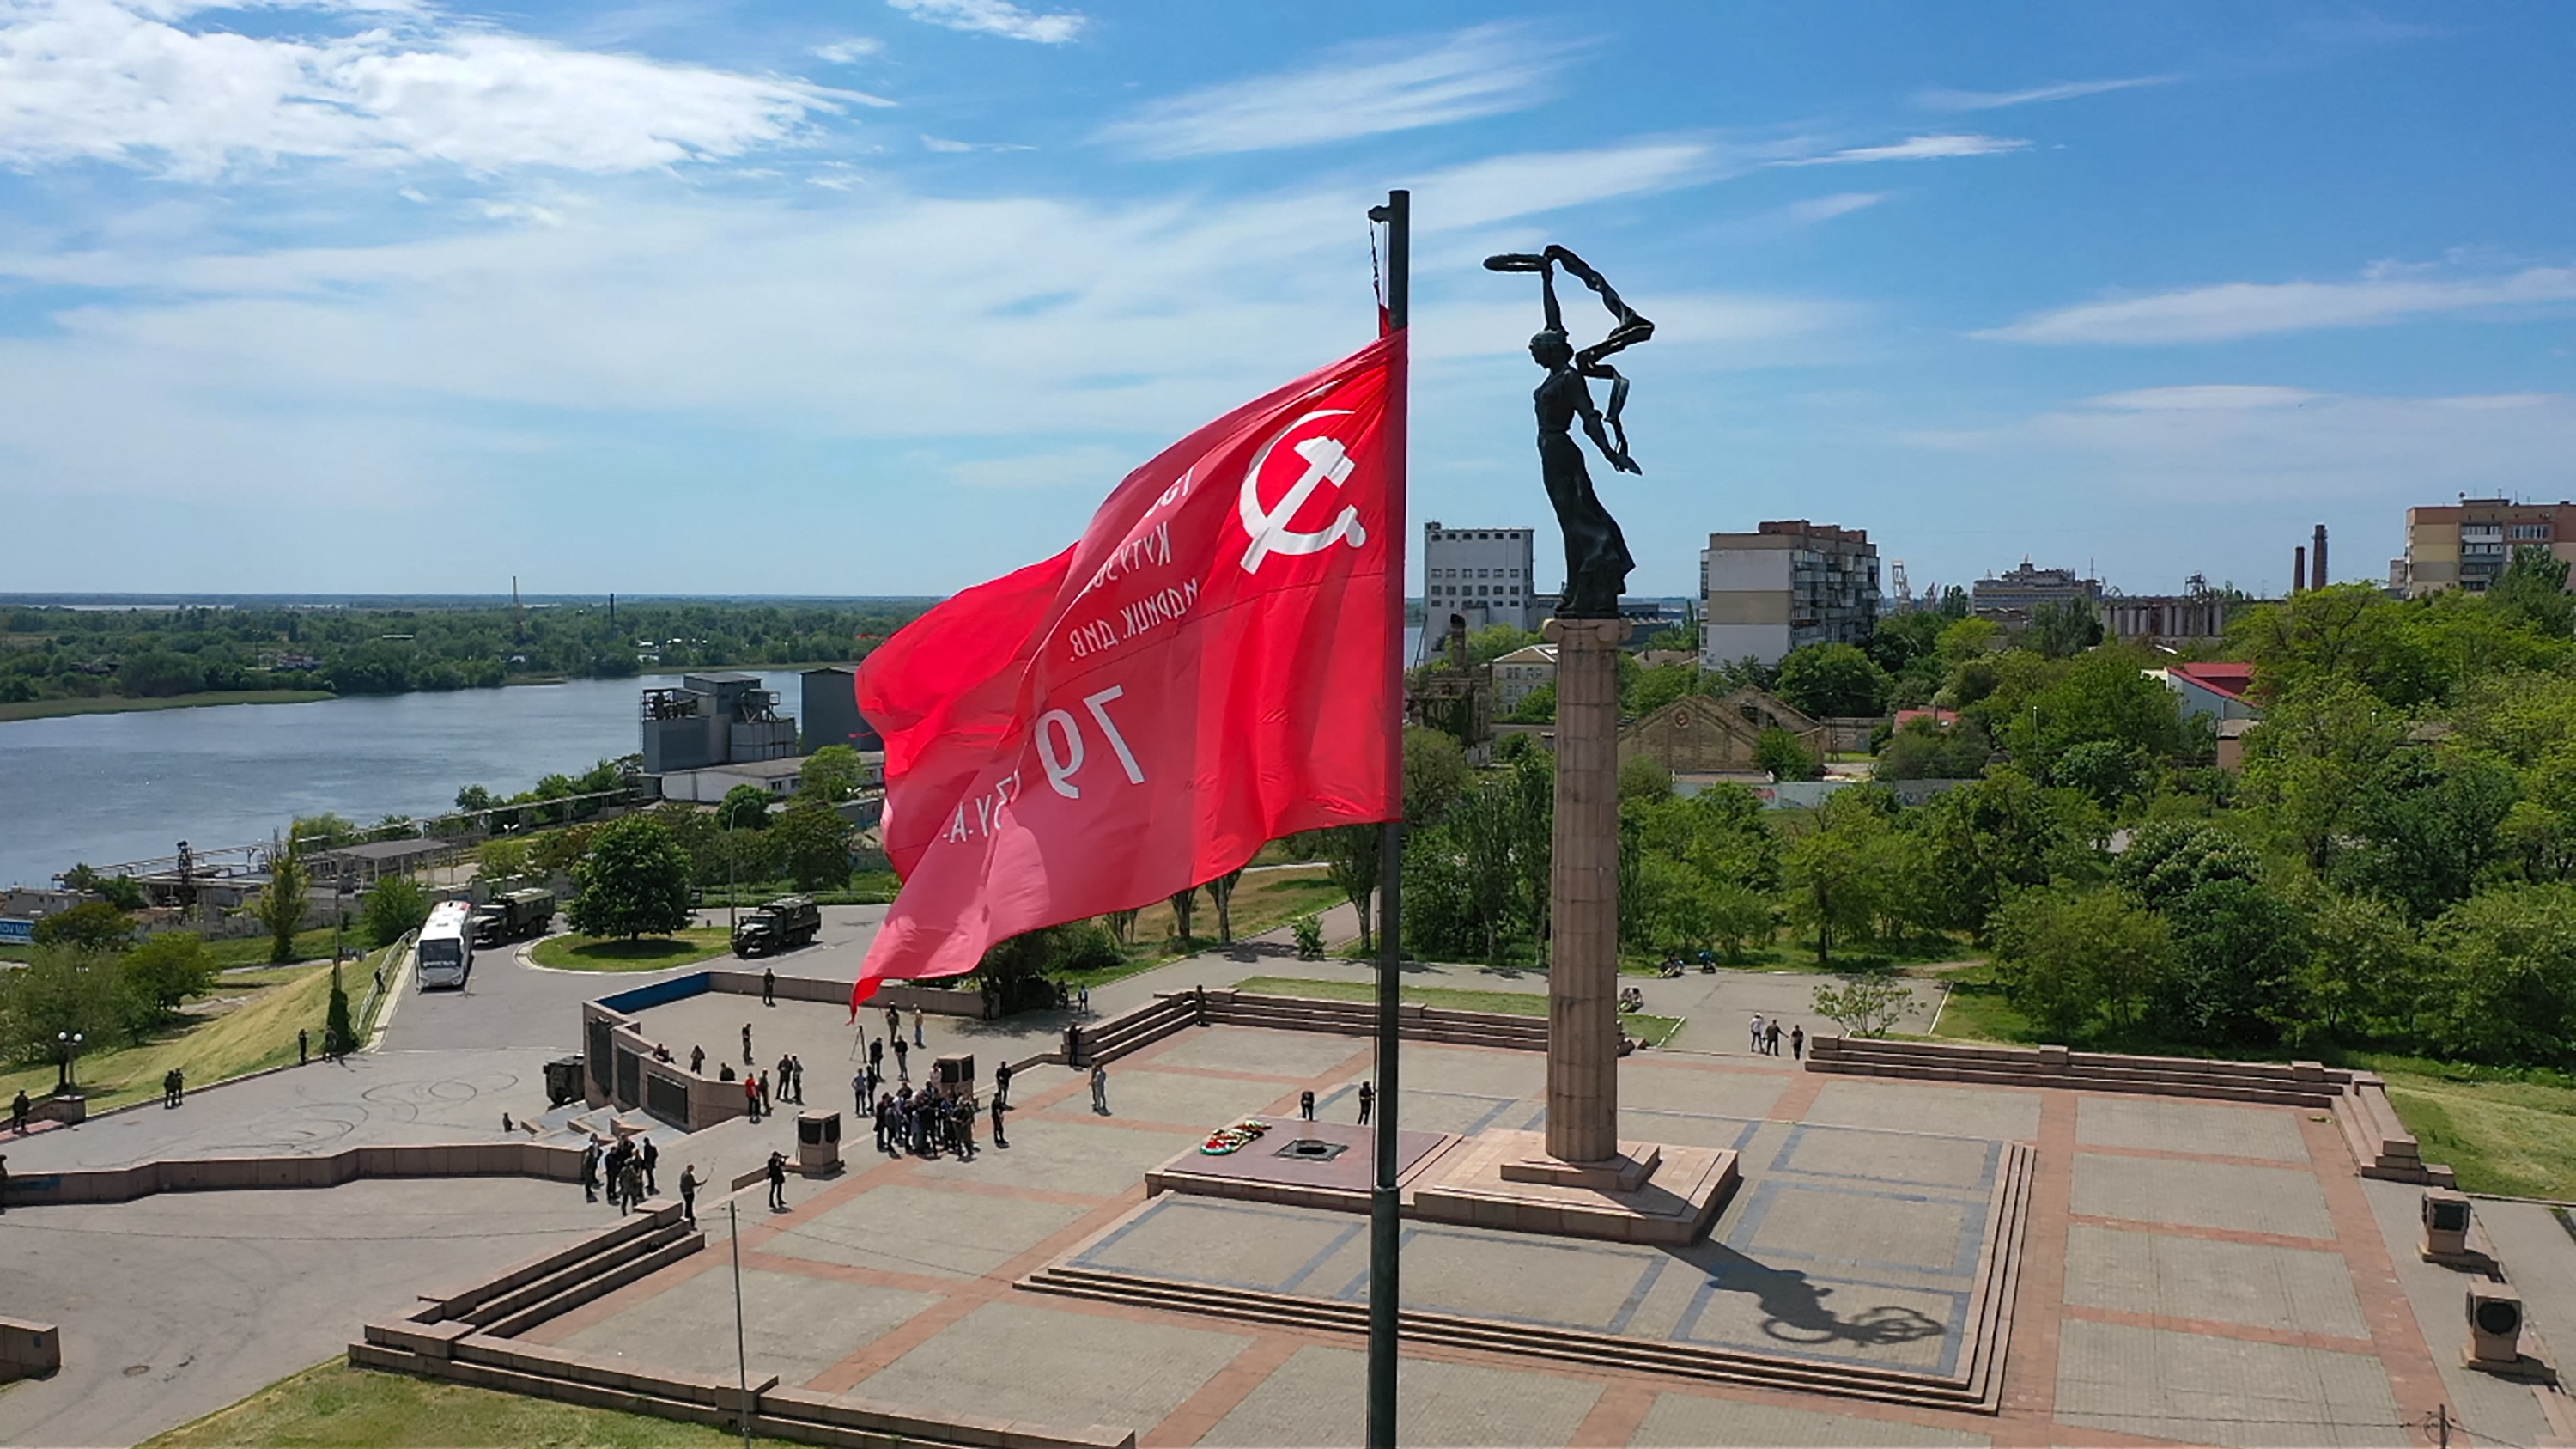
(1326, 462)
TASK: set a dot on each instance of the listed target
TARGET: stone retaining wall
(228, 1174)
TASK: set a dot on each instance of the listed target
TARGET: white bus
(446, 950)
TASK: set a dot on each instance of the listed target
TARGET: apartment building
(2467, 545)
(1481, 573)
(1787, 584)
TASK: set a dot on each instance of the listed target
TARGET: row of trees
(56, 652)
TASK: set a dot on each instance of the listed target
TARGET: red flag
(1212, 667)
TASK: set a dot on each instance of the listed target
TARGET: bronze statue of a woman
(1596, 555)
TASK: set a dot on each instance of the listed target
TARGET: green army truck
(513, 916)
(782, 925)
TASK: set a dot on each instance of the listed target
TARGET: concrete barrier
(29, 1350)
(238, 1174)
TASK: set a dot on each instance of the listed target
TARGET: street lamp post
(70, 1042)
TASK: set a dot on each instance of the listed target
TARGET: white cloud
(2244, 444)
(1945, 100)
(997, 17)
(1362, 90)
(1826, 208)
(849, 52)
(2249, 309)
(945, 146)
(128, 83)
(1915, 148)
(1539, 181)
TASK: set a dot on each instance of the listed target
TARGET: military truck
(513, 916)
(782, 925)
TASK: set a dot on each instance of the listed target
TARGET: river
(104, 788)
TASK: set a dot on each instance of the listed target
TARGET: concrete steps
(519, 1298)
(2379, 1141)
(1975, 1386)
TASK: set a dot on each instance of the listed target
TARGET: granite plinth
(1265, 1170)
(1626, 1172)
(1687, 1189)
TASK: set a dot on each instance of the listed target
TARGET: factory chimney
(2299, 569)
(2317, 575)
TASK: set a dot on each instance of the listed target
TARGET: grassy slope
(649, 953)
(257, 1033)
(1272, 898)
(334, 1404)
(1655, 1029)
(119, 704)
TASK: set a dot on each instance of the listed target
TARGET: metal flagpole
(1385, 1227)
(741, 1355)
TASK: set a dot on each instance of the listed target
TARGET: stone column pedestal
(1583, 958)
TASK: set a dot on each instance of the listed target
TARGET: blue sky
(882, 296)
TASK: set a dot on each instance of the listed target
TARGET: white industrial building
(1482, 574)
(1787, 584)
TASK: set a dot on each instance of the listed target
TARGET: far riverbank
(121, 704)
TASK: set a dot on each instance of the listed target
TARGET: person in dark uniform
(747, 1057)
(650, 1154)
(1001, 1084)
(18, 1113)
(1306, 1106)
(689, 1194)
(1368, 1099)
(697, 1061)
(303, 1046)
(590, 1173)
(777, 1182)
(1798, 1043)
(999, 1107)
(768, 987)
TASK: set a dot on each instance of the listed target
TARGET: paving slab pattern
(2260, 1286)
(2274, 1200)
(794, 1326)
(2197, 1389)
(2208, 1129)
(1689, 1421)
(1319, 1397)
(1992, 1112)
(1019, 1361)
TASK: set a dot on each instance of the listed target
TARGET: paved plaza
(2172, 1270)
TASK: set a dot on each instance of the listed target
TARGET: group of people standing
(1766, 1039)
(931, 1121)
(629, 1167)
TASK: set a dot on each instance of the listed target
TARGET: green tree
(322, 831)
(1492, 642)
(2423, 828)
(2364, 975)
(1833, 681)
(2071, 955)
(64, 989)
(2532, 592)
(1536, 707)
(395, 906)
(2107, 772)
(833, 774)
(160, 674)
(2003, 833)
(1832, 870)
(504, 858)
(813, 843)
(170, 968)
(2311, 756)
(1435, 773)
(2507, 990)
(1185, 906)
(2238, 951)
(1864, 1005)
(1221, 895)
(339, 1034)
(1644, 781)
(89, 926)
(282, 905)
(1739, 917)
(744, 807)
(1923, 749)
(2168, 860)
(2063, 628)
(1662, 685)
(561, 850)
(1350, 854)
(634, 882)
(1785, 756)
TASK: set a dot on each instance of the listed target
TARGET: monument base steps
(1647, 1194)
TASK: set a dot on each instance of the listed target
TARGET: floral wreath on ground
(1233, 1139)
